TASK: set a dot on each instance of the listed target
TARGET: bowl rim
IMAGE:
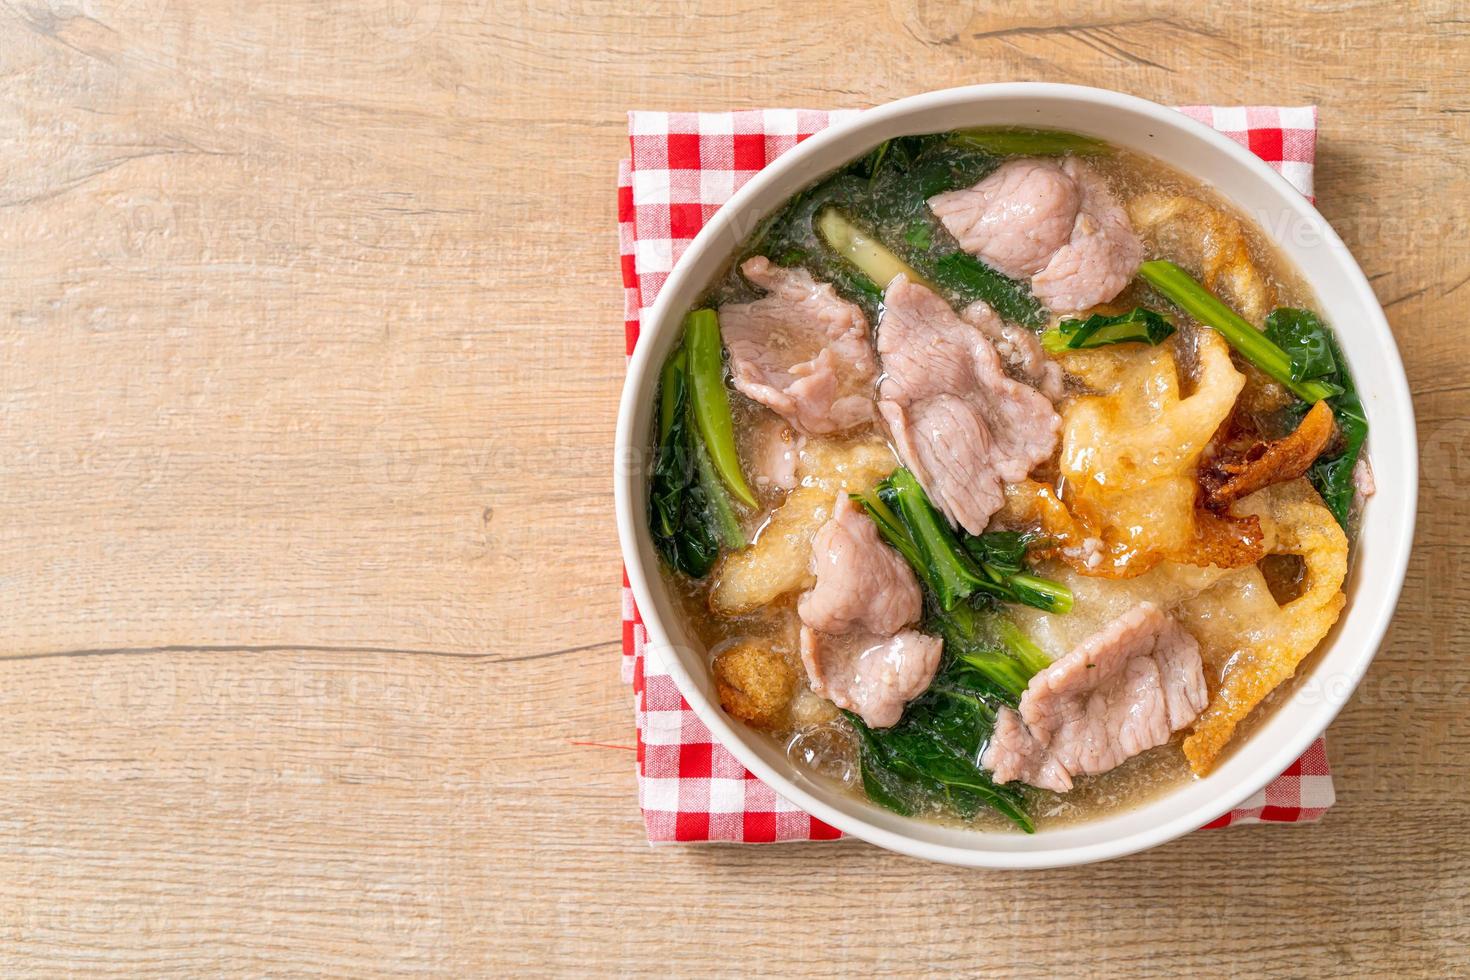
(630, 511)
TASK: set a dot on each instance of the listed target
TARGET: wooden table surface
(309, 352)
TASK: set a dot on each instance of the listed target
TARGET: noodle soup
(1005, 474)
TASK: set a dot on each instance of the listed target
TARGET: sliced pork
(1122, 691)
(1053, 222)
(774, 449)
(1015, 755)
(1015, 219)
(1099, 259)
(862, 584)
(801, 349)
(853, 642)
(959, 423)
(1019, 349)
(872, 675)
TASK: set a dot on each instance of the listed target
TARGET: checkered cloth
(684, 166)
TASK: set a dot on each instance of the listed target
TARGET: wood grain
(309, 353)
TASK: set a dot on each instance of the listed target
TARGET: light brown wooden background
(310, 343)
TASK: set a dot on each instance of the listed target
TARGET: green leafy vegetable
(932, 757)
(989, 565)
(966, 277)
(1040, 593)
(711, 402)
(891, 152)
(920, 236)
(895, 155)
(1098, 330)
(1315, 355)
(944, 565)
(867, 167)
(721, 510)
(880, 783)
(1002, 550)
(1297, 350)
(1305, 340)
(1002, 557)
(1333, 477)
(925, 167)
(960, 578)
(678, 502)
(895, 531)
(690, 512)
(1017, 141)
(990, 646)
(1020, 647)
(1181, 288)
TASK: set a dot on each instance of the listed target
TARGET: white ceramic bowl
(1345, 298)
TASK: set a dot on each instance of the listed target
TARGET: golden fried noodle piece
(779, 561)
(1212, 244)
(1130, 461)
(1100, 601)
(1208, 241)
(754, 683)
(1251, 644)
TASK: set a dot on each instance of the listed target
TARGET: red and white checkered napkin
(684, 166)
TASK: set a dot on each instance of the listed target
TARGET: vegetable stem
(1138, 325)
(712, 401)
(1042, 593)
(1029, 654)
(950, 572)
(871, 256)
(999, 668)
(670, 386)
(1181, 288)
(991, 564)
(891, 526)
(721, 511)
(1019, 141)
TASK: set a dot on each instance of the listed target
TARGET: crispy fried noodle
(1129, 465)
